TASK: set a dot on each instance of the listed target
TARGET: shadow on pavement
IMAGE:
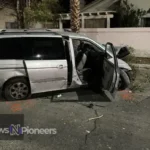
(80, 96)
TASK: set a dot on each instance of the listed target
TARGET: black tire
(17, 86)
(124, 80)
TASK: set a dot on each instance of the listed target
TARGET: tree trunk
(75, 15)
(21, 4)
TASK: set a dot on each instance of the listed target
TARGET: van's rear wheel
(17, 89)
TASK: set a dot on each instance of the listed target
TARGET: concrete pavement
(123, 125)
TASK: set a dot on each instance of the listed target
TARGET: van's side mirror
(109, 48)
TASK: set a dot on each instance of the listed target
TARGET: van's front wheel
(124, 80)
(17, 89)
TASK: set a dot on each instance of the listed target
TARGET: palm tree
(75, 15)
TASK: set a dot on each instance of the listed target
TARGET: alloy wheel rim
(19, 90)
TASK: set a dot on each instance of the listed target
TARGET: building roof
(96, 9)
(99, 5)
(146, 16)
(98, 14)
(103, 5)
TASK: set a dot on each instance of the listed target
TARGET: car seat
(81, 60)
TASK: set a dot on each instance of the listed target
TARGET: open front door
(111, 74)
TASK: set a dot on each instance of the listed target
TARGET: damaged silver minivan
(37, 61)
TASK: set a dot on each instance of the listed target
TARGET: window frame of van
(62, 49)
(11, 35)
(101, 49)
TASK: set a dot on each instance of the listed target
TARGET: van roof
(38, 31)
(26, 31)
(71, 34)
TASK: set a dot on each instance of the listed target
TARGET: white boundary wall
(138, 38)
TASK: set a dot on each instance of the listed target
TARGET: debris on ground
(87, 131)
(95, 118)
(59, 95)
(130, 91)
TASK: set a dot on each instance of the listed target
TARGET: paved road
(124, 125)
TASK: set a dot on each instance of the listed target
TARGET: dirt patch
(140, 86)
(140, 60)
(136, 60)
(140, 77)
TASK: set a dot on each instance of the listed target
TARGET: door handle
(60, 66)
